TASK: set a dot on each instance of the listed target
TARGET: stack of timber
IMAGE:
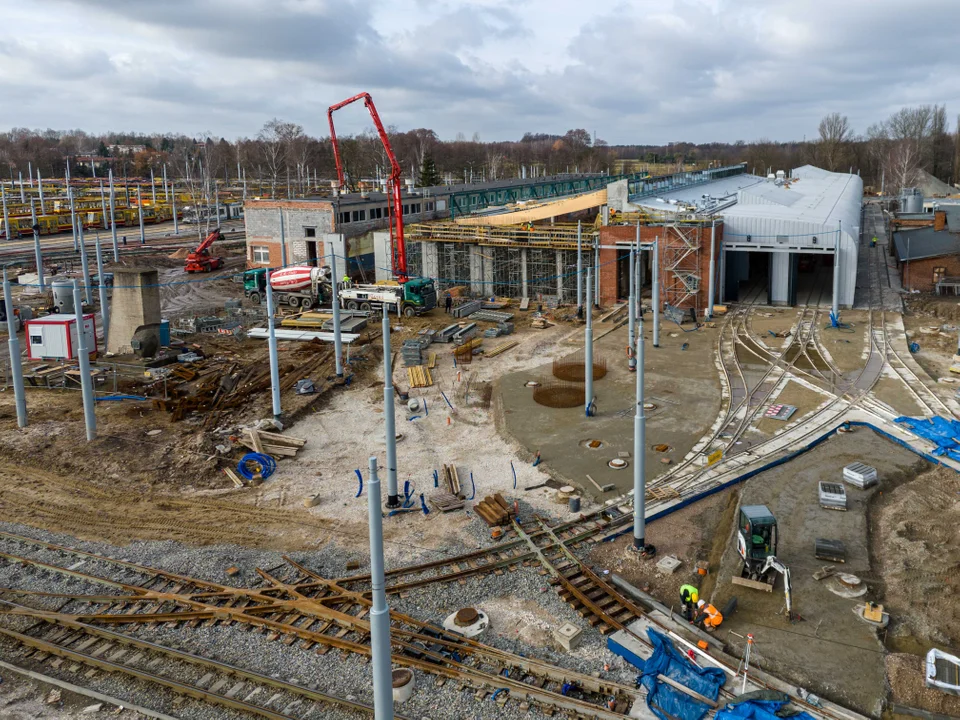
(503, 347)
(494, 510)
(419, 376)
(270, 443)
(451, 479)
(445, 502)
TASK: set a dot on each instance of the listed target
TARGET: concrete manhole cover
(592, 443)
(649, 406)
(617, 464)
(846, 585)
(531, 383)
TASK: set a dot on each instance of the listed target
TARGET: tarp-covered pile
(940, 431)
(667, 702)
(761, 710)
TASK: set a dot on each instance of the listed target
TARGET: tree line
(284, 160)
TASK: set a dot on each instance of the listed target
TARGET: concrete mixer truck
(299, 286)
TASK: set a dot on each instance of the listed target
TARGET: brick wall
(262, 222)
(918, 274)
(613, 234)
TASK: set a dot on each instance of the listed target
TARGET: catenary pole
(113, 218)
(639, 453)
(655, 292)
(102, 289)
(143, 234)
(86, 381)
(579, 271)
(836, 272)
(37, 250)
(632, 302)
(335, 306)
(13, 343)
(380, 613)
(274, 361)
(84, 263)
(710, 282)
(588, 349)
(6, 217)
(389, 416)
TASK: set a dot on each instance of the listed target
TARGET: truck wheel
(352, 305)
(255, 298)
(293, 301)
(365, 307)
(409, 311)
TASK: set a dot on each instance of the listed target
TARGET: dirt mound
(918, 552)
(905, 676)
(180, 254)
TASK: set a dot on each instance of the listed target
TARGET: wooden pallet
(419, 376)
(662, 493)
(451, 479)
(445, 502)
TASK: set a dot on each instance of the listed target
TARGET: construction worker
(873, 242)
(688, 600)
(708, 617)
(448, 303)
(346, 281)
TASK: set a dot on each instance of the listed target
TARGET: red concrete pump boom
(394, 198)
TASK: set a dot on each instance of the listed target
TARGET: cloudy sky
(636, 71)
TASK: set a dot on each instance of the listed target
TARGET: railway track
(293, 605)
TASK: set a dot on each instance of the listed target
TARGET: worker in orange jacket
(708, 617)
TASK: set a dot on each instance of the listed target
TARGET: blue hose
(498, 691)
(474, 493)
(444, 396)
(436, 479)
(267, 465)
(514, 475)
(423, 505)
(425, 411)
(407, 494)
(360, 478)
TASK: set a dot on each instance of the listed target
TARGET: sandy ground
(351, 429)
(830, 651)
(905, 676)
(801, 397)
(24, 699)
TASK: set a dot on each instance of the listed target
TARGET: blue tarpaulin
(667, 702)
(757, 710)
(945, 434)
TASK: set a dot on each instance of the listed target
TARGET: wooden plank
(230, 473)
(604, 488)
(255, 443)
(755, 584)
(687, 691)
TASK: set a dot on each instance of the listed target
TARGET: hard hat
(700, 603)
(694, 596)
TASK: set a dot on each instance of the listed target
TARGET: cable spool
(256, 464)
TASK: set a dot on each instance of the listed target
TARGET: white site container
(54, 337)
(833, 496)
(860, 475)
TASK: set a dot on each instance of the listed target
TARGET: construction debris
(466, 308)
(271, 443)
(451, 479)
(445, 502)
(413, 349)
(503, 347)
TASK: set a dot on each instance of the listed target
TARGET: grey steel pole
(579, 271)
(166, 192)
(588, 349)
(596, 273)
(836, 272)
(632, 302)
(30, 172)
(655, 292)
(244, 184)
(153, 188)
(43, 208)
(37, 251)
(639, 455)
(272, 340)
(73, 218)
(283, 245)
(380, 613)
(23, 195)
(104, 305)
(103, 207)
(83, 356)
(173, 194)
(6, 217)
(84, 264)
(113, 218)
(216, 199)
(710, 282)
(143, 235)
(13, 342)
(335, 306)
(389, 417)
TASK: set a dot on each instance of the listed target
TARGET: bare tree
(276, 138)
(902, 163)
(835, 135)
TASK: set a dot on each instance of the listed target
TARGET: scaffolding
(414, 259)
(562, 236)
(541, 272)
(679, 248)
(453, 265)
(507, 271)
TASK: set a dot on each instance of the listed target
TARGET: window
(309, 232)
(939, 273)
(406, 209)
(36, 339)
(261, 254)
(356, 216)
(429, 207)
(363, 215)
(344, 217)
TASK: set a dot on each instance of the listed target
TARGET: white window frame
(260, 254)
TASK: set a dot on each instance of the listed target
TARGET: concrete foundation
(136, 307)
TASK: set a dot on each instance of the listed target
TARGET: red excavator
(200, 259)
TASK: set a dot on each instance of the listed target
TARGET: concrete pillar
(476, 270)
(779, 278)
(430, 259)
(487, 271)
(136, 306)
(523, 273)
(559, 276)
(710, 283)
